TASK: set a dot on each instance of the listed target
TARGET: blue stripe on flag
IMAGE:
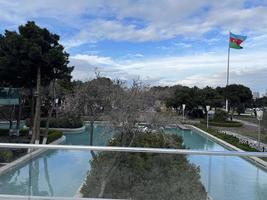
(240, 37)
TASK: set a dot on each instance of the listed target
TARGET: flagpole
(227, 81)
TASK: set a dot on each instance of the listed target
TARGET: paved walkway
(246, 122)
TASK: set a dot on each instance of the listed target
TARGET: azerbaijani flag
(236, 40)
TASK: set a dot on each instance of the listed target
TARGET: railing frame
(132, 149)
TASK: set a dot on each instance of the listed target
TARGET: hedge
(224, 124)
(64, 122)
(6, 156)
(23, 132)
(228, 138)
(53, 135)
(4, 132)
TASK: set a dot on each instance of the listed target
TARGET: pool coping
(254, 160)
(16, 163)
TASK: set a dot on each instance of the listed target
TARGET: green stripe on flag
(234, 46)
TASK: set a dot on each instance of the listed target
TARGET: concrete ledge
(78, 193)
(255, 160)
(69, 130)
(27, 157)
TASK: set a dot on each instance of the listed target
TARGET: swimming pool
(61, 172)
(55, 172)
(225, 177)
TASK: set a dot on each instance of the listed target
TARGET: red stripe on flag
(237, 41)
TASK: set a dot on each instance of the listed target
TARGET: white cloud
(149, 20)
(180, 18)
(94, 59)
(248, 68)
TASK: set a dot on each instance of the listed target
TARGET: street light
(259, 117)
(207, 108)
(183, 106)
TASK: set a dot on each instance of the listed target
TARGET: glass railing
(108, 172)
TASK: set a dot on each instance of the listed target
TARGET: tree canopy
(22, 52)
(144, 176)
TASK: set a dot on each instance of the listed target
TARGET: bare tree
(91, 99)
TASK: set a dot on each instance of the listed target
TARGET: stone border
(255, 160)
(16, 163)
(78, 193)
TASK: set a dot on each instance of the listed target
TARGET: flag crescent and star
(236, 40)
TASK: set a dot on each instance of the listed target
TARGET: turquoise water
(55, 172)
(61, 172)
(225, 177)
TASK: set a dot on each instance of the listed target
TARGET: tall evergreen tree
(30, 58)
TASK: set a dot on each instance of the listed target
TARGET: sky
(161, 42)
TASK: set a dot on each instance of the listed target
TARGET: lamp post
(183, 106)
(259, 117)
(207, 108)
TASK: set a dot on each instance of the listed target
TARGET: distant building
(256, 95)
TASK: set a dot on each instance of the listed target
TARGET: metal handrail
(20, 197)
(133, 149)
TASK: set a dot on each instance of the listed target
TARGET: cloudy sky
(162, 42)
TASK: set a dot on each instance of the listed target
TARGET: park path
(246, 123)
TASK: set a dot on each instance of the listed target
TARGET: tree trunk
(32, 116)
(19, 117)
(91, 134)
(49, 113)
(36, 127)
(11, 120)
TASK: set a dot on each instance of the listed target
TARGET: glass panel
(118, 175)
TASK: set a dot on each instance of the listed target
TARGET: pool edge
(17, 163)
(254, 160)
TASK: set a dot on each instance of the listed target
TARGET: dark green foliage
(220, 116)
(6, 156)
(239, 96)
(221, 119)
(53, 135)
(63, 122)
(4, 131)
(22, 52)
(143, 175)
(224, 124)
(240, 109)
(260, 102)
(23, 132)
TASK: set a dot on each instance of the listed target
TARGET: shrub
(23, 132)
(63, 122)
(228, 138)
(53, 135)
(224, 124)
(6, 156)
(4, 132)
(220, 116)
